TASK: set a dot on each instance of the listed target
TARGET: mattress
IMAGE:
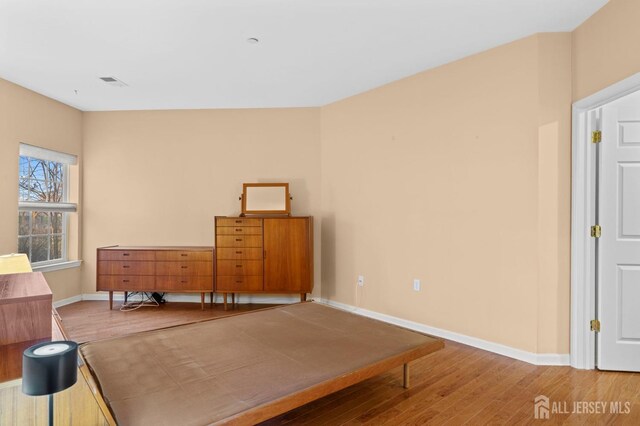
(245, 368)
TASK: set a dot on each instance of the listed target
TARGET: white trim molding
(50, 267)
(67, 301)
(49, 207)
(583, 344)
(519, 354)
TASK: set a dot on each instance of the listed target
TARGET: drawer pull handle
(238, 266)
(238, 282)
(125, 254)
(238, 221)
(184, 254)
(238, 252)
(238, 239)
(126, 266)
(238, 229)
(183, 282)
(125, 281)
(184, 267)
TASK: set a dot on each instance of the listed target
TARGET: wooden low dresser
(155, 269)
(264, 255)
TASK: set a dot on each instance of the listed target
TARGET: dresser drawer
(186, 255)
(239, 241)
(125, 283)
(185, 268)
(240, 283)
(184, 283)
(125, 267)
(126, 255)
(240, 253)
(238, 221)
(239, 230)
(239, 267)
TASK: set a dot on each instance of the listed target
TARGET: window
(43, 204)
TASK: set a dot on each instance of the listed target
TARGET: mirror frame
(287, 209)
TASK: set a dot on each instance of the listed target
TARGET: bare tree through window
(41, 232)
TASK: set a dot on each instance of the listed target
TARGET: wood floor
(87, 321)
(457, 385)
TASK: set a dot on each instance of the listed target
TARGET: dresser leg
(202, 301)
(211, 294)
(110, 300)
(233, 300)
(225, 301)
(406, 376)
(303, 297)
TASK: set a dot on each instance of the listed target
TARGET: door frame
(583, 261)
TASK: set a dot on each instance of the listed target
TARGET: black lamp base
(50, 409)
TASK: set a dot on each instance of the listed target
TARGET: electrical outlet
(360, 281)
(416, 284)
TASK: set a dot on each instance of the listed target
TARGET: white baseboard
(252, 298)
(102, 296)
(195, 298)
(519, 354)
(67, 301)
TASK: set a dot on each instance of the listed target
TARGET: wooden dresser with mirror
(265, 249)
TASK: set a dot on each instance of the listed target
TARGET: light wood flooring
(87, 321)
(457, 385)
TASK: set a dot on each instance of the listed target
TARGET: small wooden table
(25, 318)
(25, 308)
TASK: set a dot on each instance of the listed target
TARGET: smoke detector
(112, 81)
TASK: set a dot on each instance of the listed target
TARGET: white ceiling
(194, 53)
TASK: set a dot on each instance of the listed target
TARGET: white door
(619, 245)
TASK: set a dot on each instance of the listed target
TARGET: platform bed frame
(95, 390)
(296, 399)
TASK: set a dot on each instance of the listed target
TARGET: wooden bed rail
(93, 387)
(282, 405)
(88, 378)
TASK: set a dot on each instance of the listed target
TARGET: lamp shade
(49, 367)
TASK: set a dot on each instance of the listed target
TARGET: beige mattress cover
(203, 373)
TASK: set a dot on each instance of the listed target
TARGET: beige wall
(459, 176)
(554, 192)
(160, 177)
(605, 48)
(448, 176)
(31, 118)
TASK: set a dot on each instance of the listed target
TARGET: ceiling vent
(112, 81)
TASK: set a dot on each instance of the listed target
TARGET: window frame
(64, 207)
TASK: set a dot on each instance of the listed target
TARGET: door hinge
(595, 326)
(596, 231)
(596, 136)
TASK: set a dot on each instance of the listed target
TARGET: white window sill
(57, 266)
